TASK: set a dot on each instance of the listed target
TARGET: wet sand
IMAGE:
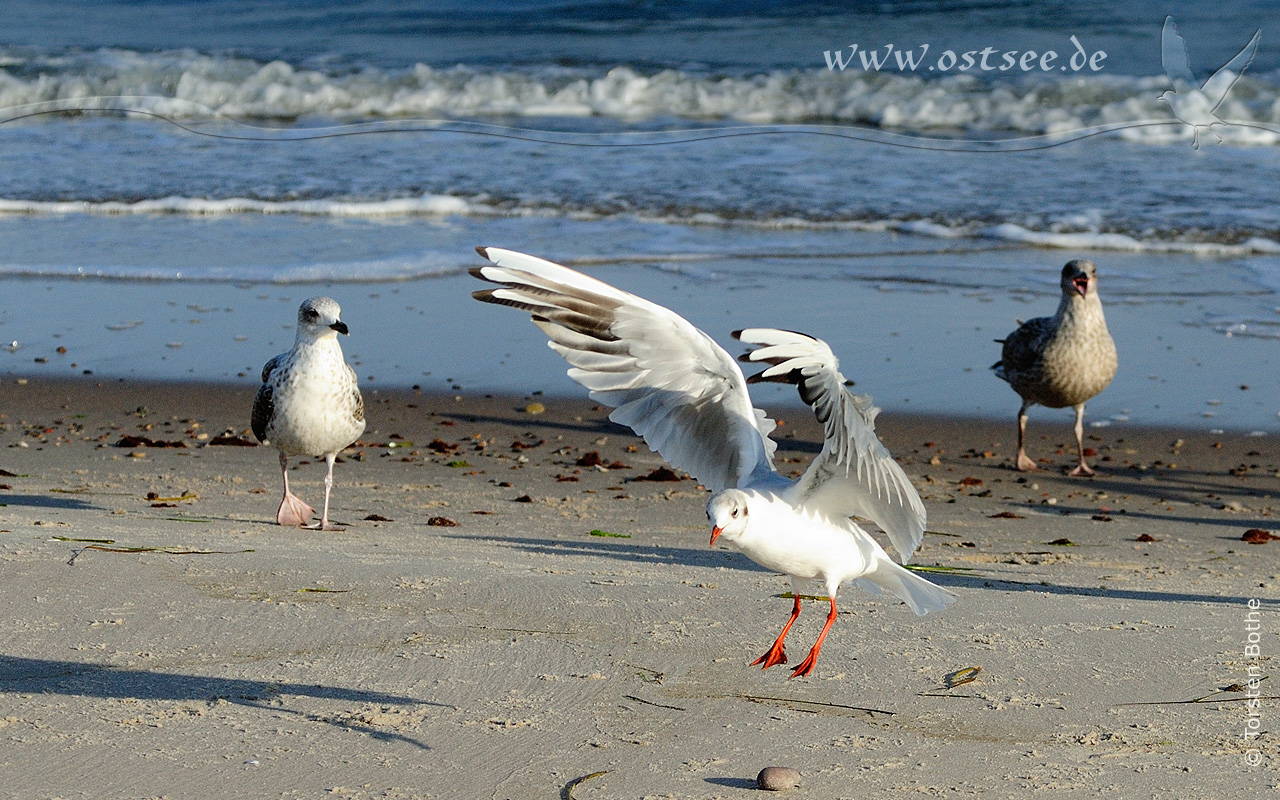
(500, 621)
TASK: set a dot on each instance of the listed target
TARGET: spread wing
(854, 475)
(667, 380)
(1220, 82)
(1173, 56)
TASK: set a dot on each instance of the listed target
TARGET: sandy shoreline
(919, 348)
(513, 652)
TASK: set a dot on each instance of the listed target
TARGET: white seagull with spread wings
(1192, 104)
(673, 385)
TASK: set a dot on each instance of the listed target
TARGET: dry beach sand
(456, 642)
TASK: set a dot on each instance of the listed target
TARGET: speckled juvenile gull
(309, 404)
(673, 385)
(1062, 360)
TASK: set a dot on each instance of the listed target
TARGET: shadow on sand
(76, 678)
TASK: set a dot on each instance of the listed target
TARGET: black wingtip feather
(484, 252)
(746, 358)
(487, 296)
(793, 376)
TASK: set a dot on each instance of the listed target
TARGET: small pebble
(778, 779)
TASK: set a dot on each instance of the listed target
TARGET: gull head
(1079, 277)
(727, 512)
(319, 317)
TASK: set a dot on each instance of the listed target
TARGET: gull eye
(735, 512)
(312, 314)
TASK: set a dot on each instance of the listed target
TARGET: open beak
(1081, 282)
(341, 327)
(715, 534)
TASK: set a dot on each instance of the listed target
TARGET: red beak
(715, 534)
(1081, 283)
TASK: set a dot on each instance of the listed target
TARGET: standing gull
(1062, 360)
(673, 385)
(309, 404)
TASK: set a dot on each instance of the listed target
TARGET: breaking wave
(187, 84)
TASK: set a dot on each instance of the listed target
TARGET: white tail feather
(918, 593)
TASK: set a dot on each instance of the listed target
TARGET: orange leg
(806, 666)
(776, 655)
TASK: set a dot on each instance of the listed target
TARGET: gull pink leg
(1083, 468)
(806, 666)
(776, 655)
(1024, 463)
(293, 511)
(328, 487)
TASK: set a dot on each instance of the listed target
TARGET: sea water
(179, 176)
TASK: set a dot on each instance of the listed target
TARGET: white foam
(927, 228)
(442, 206)
(426, 205)
(1257, 244)
(374, 271)
(1011, 232)
(185, 84)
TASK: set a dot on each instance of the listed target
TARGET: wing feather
(264, 401)
(664, 378)
(1173, 56)
(854, 475)
(271, 365)
(357, 399)
(263, 409)
(1022, 350)
(1218, 84)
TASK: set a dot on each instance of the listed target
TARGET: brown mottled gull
(309, 404)
(1062, 360)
